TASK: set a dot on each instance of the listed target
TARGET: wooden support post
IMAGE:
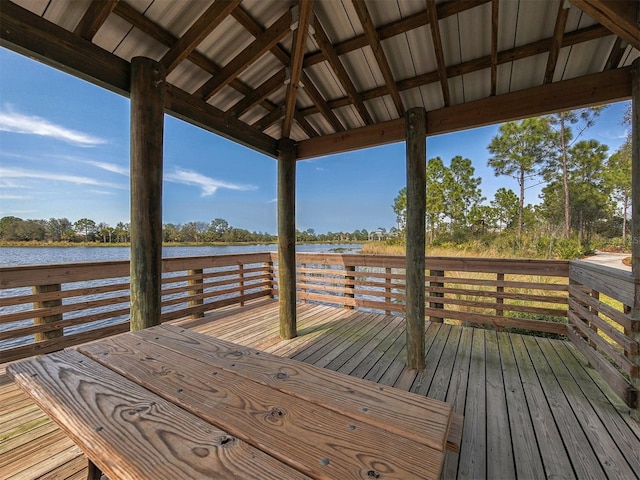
(349, 285)
(635, 208)
(416, 152)
(287, 237)
(147, 129)
(55, 333)
(198, 289)
(269, 269)
(387, 289)
(303, 290)
(436, 273)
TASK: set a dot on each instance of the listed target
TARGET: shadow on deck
(532, 406)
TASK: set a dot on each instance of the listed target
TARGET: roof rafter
(155, 31)
(439, 51)
(556, 41)
(495, 8)
(269, 86)
(338, 68)
(27, 33)
(619, 47)
(321, 104)
(94, 18)
(595, 89)
(262, 44)
(445, 9)
(201, 28)
(305, 9)
(373, 40)
(619, 16)
(517, 53)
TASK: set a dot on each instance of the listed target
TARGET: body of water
(50, 255)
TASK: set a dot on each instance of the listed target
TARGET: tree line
(586, 190)
(14, 229)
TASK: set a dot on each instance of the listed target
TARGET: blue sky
(64, 152)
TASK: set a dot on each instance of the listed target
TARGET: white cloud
(11, 121)
(40, 175)
(208, 185)
(109, 167)
(273, 200)
(8, 196)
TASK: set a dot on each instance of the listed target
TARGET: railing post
(270, 270)
(434, 284)
(499, 298)
(349, 285)
(58, 332)
(303, 276)
(387, 289)
(594, 294)
(241, 282)
(198, 289)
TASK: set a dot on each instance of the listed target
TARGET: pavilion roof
(233, 66)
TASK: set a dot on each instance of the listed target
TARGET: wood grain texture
(418, 418)
(130, 432)
(328, 444)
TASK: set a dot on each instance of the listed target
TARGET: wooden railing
(44, 308)
(601, 326)
(522, 294)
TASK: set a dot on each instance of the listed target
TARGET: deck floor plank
(526, 455)
(576, 442)
(611, 417)
(605, 448)
(554, 456)
(532, 406)
(457, 393)
(473, 449)
(499, 450)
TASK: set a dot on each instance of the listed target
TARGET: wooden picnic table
(169, 403)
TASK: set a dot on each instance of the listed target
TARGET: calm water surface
(50, 255)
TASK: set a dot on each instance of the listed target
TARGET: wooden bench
(170, 403)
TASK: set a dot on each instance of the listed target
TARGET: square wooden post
(287, 237)
(635, 209)
(147, 130)
(415, 261)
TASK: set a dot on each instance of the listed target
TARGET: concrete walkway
(609, 260)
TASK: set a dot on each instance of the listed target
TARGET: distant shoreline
(30, 244)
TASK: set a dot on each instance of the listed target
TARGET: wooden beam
(556, 42)
(419, 19)
(439, 51)
(268, 87)
(94, 18)
(378, 52)
(201, 28)
(619, 47)
(619, 16)
(357, 138)
(495, 8)
(287, 237)
(147, 128)
(596, 89)
(635, 211)
(343, 77)
(243, 17)
(305, 8)
(193, 110)
(262, 44)
(586, 34)
(416, 210)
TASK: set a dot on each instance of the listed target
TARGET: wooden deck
(532, 406)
